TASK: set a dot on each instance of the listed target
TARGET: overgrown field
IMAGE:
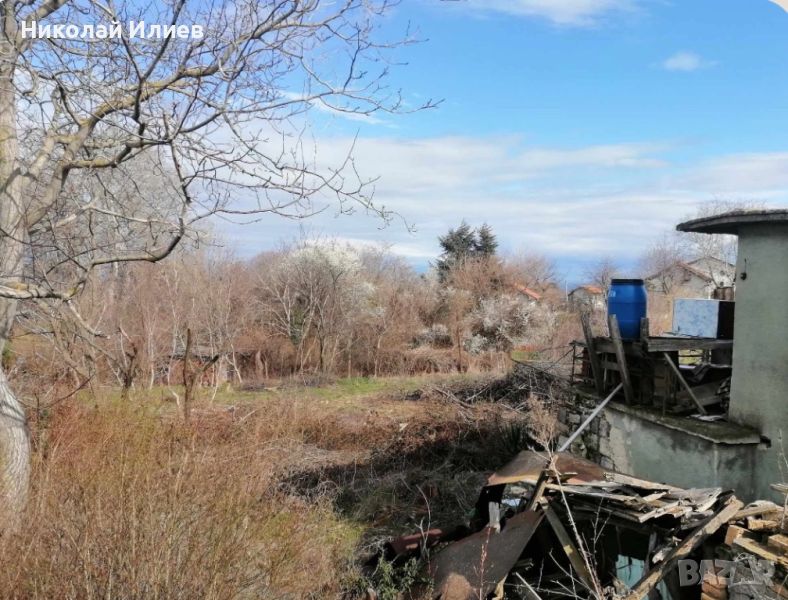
(264, 494)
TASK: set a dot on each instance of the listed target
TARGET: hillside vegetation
(279, 493)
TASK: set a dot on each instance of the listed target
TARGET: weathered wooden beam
(541, 485)
(615, 335)
(780, 488)
(593, 357)
(572, 553)
(684, 384)
(644, 331)
(778, 543)
(673, 344)
(753, 547)
(757, 509)
(650, 580)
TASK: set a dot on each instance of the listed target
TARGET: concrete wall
(759, 387)
(642, 445)
(674, 450)
(679, 282)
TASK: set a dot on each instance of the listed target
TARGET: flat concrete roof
(730, 222)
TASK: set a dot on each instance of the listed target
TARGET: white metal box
(703, 318)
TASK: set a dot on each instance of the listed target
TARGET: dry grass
(130, 505)
(273, 499)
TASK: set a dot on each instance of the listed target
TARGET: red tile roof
(591, 289)
(527, 291)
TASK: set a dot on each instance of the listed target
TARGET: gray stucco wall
(661, 453)
(759, 387)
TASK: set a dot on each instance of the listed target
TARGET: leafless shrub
(541, 421)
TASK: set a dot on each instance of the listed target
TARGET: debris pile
(757, 538)
(557, 526)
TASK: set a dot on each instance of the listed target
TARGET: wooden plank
(571, 551)
(672, 344)
(644, 333)
(686, 386)
(734, 532)
(780, 589)
(588, 492)
(778, 542)
(713, 582)
(541, 485)
(705, 394)
(753, 547)
(618, 344)
(688, 545)
(780, 488)
(642, 484)
(756, 509)
(756, 524)
(593, 357)
(605, 345)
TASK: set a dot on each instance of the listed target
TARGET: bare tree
(207, 95)
(602, 273)
(722, 247)
(532, 269)
(659, 262)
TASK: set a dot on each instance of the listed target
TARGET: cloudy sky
(577, 128)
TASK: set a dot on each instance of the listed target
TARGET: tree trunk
(14, 437)
(14, 456)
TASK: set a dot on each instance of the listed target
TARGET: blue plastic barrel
(628, 300)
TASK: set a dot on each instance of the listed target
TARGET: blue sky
(576, 128)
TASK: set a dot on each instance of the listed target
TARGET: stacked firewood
(758, 540)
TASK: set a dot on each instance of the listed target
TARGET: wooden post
(541, 484)
(644, 331)
(618, 344)
(596, 365)
(686, 386)
(572, 553)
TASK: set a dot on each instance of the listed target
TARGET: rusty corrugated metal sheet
(527, 466)
(471, 568)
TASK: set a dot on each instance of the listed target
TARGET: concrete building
(530, 296)
(587, 297)
(694, 279)
(759, 384)
(744, 448)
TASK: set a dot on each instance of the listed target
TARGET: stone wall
(592, 442)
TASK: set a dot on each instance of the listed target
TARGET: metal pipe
(590, 418)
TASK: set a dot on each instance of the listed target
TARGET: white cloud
(760, 175)
(572, 13)
(685, 61)
(781, 3)
(578, 203)
(412, 165)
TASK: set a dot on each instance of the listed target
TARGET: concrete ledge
(721, 432)
(731, 221)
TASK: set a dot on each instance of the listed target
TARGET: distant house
(587, 297)
(695, 279)
(529, 295)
